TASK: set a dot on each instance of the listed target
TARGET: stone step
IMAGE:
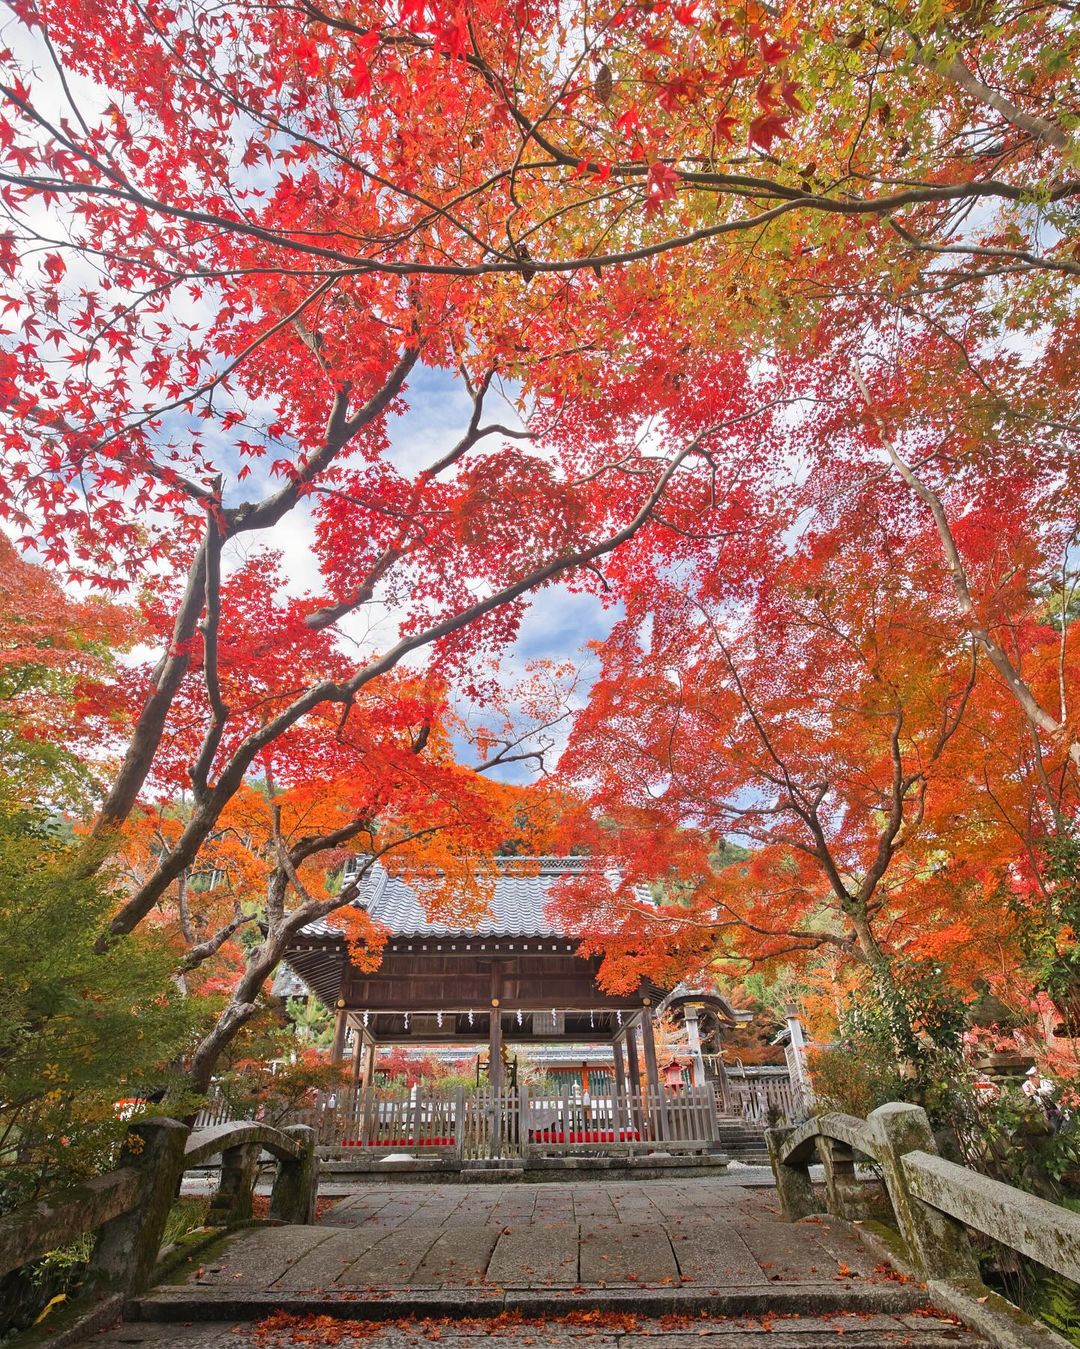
(184, 1303)
(837, 1331)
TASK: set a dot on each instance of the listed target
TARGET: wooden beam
(341, 1021)
(620, 1082)
(652, 1076)
(423, 1038)
(634, 1072)
(354, 1076)
(495, 1075)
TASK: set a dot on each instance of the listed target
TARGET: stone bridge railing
(128, 1207)
(935, 1203)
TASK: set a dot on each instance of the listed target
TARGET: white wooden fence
(514, 1121)
(765, 1100)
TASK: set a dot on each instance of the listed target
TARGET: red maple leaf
(768, 128)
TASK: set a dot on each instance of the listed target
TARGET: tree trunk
(885, 987)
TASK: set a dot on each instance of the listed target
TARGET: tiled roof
(518, 907)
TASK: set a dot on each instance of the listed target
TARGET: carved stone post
(126, 1251)
(937, 1244)
(358, 1054)
(842, 1190)
(459, 1123)
(296, 1187)
(239, 1170)
(797, 1070)
(793, 1185)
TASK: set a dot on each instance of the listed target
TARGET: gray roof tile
(518, 907)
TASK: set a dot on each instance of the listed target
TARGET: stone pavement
(657, 1234)
(713, 1257)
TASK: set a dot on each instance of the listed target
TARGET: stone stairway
(676, 1260)
(742, 1141)
(582, 1331)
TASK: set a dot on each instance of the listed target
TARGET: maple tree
(453, 547)
(383, 785)
(838, 725)
(578, 137)
(688, 247)
(58, 701)
(968, 426)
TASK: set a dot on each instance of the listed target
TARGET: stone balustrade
(935, 1203)
(128, 1207)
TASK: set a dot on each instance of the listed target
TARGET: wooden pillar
(365, 1121)
(621, 1116)
(354, 1075)
(797, 1069)
(495, 1076)
(633, 1070)
(723, 1085)
(652, 1075)
(693, 1039)
(341, 1021)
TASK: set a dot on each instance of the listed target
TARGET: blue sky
(557, 625)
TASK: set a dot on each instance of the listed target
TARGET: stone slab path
(652, 1234)
(679, 1261)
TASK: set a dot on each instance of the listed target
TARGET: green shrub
(79, 1031)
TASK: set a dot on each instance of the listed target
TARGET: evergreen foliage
(80, 1032)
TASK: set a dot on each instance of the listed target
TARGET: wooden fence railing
(935, 1203)
(765, 1100)
(128, 1207)
(515, 1121)
(683, 1119)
